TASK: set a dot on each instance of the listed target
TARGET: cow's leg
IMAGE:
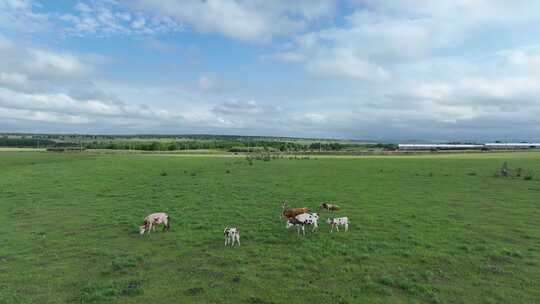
(337, 228)
(304, 230)
(238, 239)
(226, 241)
(164, 226)
(346, 227)
(149, 228)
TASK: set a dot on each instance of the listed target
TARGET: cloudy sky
(363, 69)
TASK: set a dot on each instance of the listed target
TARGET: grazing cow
(301, 220)
(329, 207)
(292, 212)
(231, 235)
(340, 221)
(155, 219)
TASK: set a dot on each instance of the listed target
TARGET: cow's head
(142, 229)
(330, 221)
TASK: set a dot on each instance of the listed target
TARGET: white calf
(155, 219)
(340, 221)
(231, 235)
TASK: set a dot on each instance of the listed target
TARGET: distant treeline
(229, 143)
(25, 142)
(231, 146)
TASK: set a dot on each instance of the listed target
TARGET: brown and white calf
(292, 212)
(231, 235)
(160, 218)
(329, 206)
(340, 221)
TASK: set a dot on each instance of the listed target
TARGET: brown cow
(292, 212)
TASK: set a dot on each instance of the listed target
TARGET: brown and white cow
(329, 206)
(159, 218)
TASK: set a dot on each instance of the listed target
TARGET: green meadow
(424, 229)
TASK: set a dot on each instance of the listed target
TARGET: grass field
(429, 229)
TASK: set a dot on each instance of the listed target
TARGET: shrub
(529, 175)
(194, 291)
(504, 169)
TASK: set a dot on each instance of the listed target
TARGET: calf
(340, 221)
(329, 207)
(231, 235)
(155, 219)
(292, 212)
(296, 223)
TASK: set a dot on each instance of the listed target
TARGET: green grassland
(424, 229)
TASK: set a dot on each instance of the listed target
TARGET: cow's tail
(168, 222)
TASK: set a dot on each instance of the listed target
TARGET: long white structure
(487, 146)
(512, 145)
(438, 147)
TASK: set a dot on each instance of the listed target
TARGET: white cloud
(47, 62)
(13, 79)
(40, 116)
(395, 69)
(109, 18)
(284, 56)
(343, 63)
(244, 20)
(20, 15)
(363, 47)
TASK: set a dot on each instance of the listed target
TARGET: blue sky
(380, 70)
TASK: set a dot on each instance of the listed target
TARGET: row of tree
(231, 146)
(227, 143)
(25, 142)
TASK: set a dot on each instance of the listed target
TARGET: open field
(424, 229)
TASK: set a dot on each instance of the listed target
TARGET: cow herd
(296, 217)
(301, 217)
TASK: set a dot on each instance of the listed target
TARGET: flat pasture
(423, 229)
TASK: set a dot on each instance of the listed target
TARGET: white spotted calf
(231, 235)
(154, 219)
(340, 221)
